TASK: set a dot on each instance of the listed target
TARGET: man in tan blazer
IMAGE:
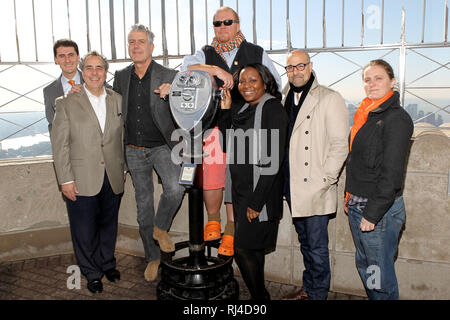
(318, 147)
(87, 145)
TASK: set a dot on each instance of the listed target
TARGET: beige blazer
(81, 152)
(317, 150)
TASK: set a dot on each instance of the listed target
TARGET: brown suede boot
(165, 243)
(151, 272)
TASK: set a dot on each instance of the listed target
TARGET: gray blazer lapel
(155, 80)
(59, 91)
(126, 90)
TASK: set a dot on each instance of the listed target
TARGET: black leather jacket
(161, 114)
(376, 163)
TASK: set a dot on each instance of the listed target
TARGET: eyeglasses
(299, 67)
(227, 22)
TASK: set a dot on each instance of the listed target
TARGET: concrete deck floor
(46, 279)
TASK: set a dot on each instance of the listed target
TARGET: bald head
(301, 54)
(222, 9)
(300, 74)
(225, 33)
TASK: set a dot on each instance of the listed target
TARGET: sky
(329, 67)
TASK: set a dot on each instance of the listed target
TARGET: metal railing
(98, 13)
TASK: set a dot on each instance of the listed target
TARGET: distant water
(27, 141)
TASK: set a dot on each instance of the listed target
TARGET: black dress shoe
(95, 286)
(112, 275)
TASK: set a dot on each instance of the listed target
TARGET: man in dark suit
(148, 130)
(67, 56)
(87, 145)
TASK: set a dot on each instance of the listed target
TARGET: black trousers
(93, 225)
(251, 264)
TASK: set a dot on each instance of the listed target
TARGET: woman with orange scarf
(379, 143)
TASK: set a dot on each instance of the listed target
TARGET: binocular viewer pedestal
(194, 100)
(198, 276)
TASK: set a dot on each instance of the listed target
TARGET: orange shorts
(214, 162)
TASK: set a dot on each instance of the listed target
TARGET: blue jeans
(141, 163)
(376, 250)
(313, 237)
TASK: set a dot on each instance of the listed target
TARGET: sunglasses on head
(227, 22)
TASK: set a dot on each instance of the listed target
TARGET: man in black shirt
(148, 128)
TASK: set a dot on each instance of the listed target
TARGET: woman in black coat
(379, 143)
(254, 158)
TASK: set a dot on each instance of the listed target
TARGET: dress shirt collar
(147, 72)
(65, 82)
(91, 96)
(99, 106)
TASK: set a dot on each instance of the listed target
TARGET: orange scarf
(360, 118)
(228, 46)
(362, 113)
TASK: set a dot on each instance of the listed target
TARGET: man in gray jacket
(67, 56)
(148, 129)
